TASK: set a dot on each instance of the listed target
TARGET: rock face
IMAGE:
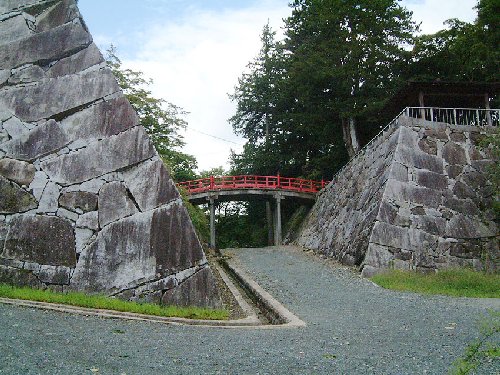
(85, 202)
(418, 198)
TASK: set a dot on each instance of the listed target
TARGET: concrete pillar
(269, 220)
(212, 222)
(277, 221)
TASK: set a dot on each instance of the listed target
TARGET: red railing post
(212, 183)
(279, 182)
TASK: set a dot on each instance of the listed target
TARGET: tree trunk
(350, 137)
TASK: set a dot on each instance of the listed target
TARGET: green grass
(452, 282)
(108, 303)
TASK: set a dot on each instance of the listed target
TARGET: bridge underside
(271, 197)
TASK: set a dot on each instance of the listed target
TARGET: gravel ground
(353, 327)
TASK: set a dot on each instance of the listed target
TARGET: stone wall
(85, 201)
(417, 197)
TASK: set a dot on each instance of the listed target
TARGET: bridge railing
(214, 183)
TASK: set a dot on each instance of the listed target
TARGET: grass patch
(108, 303)
(452, 282)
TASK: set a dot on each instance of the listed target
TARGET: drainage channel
(265, 313)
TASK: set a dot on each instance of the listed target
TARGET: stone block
(198, 290)
(453, 171)
(463, 206)
(399, 172)
(54, 275)
(42, 140)
(100, 120)
(387, 212)
(475, 180)
(64, 213)
(117, 152)
(44, 47)
(454, 154)
(378, 257)
(151, 184)
(77, 62)
(38, 185)
(82, 200)
(56, 15)
(4, 77)
(420, 160)
(14, 28)
(18, 277)
(47, 240)
(437, 134)
(430, 224)
(461, 226)
(427, 145)
(432, 180)
(388, 235)
(114, 203)
(15, 127)
(88, 220)
(139, 249)
(20, 172)
(49, 199)
(26, 74)
(458, 137)
(27, 103)
(463, 191)
(82, 238)
(405, 193)
(14, 199)
(9, 5)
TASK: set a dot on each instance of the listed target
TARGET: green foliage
(198, 218)
(161, 119)
(452, 282)
(485, 348)
(238, 225)
(107, 303)
(461, 52)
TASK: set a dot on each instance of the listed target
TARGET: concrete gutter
(250, 321)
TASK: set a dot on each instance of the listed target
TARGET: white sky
(195, 51)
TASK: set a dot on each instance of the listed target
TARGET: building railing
(456, 116)
(214, 183)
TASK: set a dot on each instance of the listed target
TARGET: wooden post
(212, 222)
(270, 228)
(277, 221)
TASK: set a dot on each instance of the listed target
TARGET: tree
(161, 119)
(462, 51)
(344, 59)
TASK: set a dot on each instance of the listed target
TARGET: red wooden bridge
(236, 188)
(252, 182)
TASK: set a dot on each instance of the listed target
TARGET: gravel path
(353, 327)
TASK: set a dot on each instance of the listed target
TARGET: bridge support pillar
(270, 227)
(212, 222)
(277, 221)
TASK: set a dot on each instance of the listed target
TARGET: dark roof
(441, 94)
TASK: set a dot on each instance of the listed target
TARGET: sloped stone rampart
(85, 202)
(418, 197)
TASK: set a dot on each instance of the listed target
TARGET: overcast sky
(195, 51)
